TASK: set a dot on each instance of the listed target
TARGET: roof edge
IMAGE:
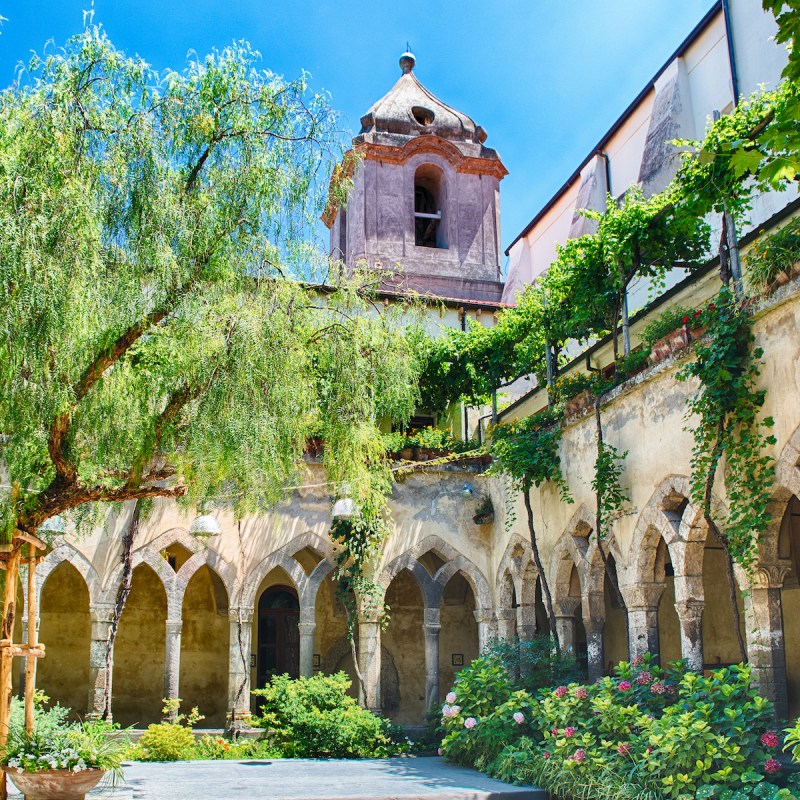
(682, 48)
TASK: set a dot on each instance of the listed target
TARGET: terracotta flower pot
(407, 454)
(782, 278)
(668, 344)
(796, 268)
(577, 405)
(55, 784)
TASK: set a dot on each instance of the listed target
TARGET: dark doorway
(278, 634)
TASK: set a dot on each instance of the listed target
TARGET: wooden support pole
(30, 665)
(9, 611)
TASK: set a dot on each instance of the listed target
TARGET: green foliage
(155, 339)
(429, 438)
(669, 321)
(772, 254)
(726, 410)
(645, 732)
(787, 16)
(533, 664)
(165, 741)
(315, 718)
(218, 748)
(611, 496)
(527, 451)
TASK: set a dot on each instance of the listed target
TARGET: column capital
(566, 606)
(307, 628)
(101, 612)
(642, 596)
(690, 610)
(483, 615)
(504, 614)
(243, 615)
(431, 616)
(770, 576)
(174, 627)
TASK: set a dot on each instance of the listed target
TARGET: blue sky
(545, 78)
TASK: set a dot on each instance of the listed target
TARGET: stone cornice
(435, 145)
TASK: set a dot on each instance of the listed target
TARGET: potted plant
(773, 259)
(60, 761)
(668, 334)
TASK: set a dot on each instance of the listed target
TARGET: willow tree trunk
(123, 593)
(548, 598)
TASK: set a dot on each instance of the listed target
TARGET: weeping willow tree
(156, 339)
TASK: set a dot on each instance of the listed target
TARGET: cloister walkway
(300, 779)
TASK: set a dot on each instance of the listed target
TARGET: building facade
(210, 618)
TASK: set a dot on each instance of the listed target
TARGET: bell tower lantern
(425, 198)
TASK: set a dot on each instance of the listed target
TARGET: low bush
(772, 255)
(646, 732)
(316, 718)
(669, 321)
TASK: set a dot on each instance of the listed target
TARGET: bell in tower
(425, 202)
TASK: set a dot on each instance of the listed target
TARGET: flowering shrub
(643, 732)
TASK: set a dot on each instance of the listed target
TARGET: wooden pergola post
(10, 560)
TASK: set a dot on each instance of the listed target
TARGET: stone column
(564, 611)
(240, 648)
(485, 620)
(595, 652)
(506, 621)
(369, 662)
(766, 646)
(172, 659)
(690, 616)
(642, 602)
(101, 615)
(431, 627)
(307, 627)
(526, 622)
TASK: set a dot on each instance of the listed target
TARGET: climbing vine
(527, 452)
(730, 432)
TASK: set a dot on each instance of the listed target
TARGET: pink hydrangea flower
(451, 698)
(440, 752)
(447, 711)
(644, 677)
(546, 754)
(569, 731)
(772, 767)
(624, 686)
(769, 739)
(554, 732)
(623, 748)
(519, 717)
(638, 661)
(470, 723)
(658, 688)
(671, 688)
(455, 711)
(560, 691)
(579, 756)
(581, 692)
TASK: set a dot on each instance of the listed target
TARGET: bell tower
(425, 199)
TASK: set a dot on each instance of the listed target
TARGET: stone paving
(300, 779)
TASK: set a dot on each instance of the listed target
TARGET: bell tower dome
(425, 200)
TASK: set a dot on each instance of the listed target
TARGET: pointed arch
(257, 574)
(431, 593)
(475, 578)
(64, 551)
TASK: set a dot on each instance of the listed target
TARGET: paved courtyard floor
(300, 779)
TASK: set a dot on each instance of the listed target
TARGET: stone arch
(311, 540)
(174, 536)
(517, 561)
(565, 555)
(475, 578)
(439, 546)
(65, 629)
(64, 551)
(257, 574)
(217, 564)
(431, 593)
